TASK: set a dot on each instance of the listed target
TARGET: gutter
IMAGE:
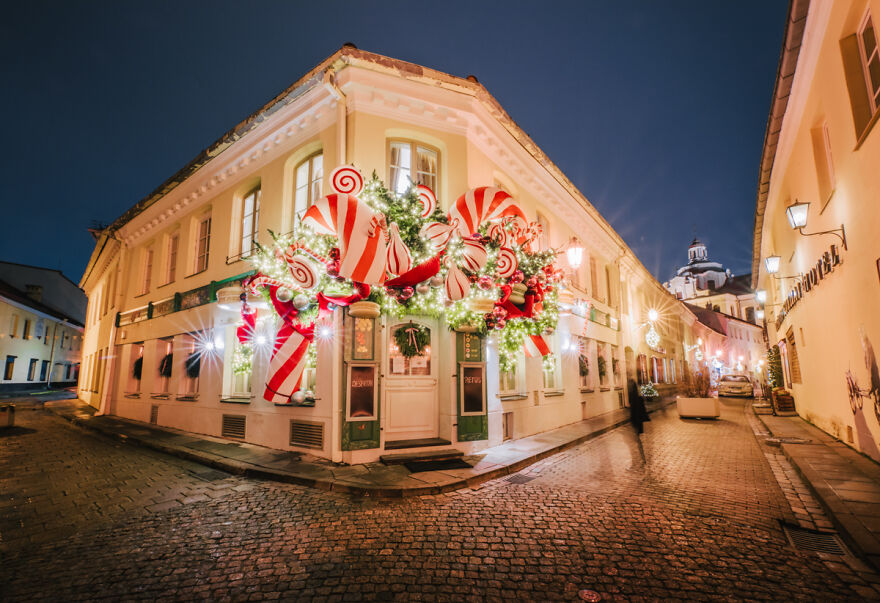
(329, 82)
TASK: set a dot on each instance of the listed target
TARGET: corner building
(165, 280)
(817, 221)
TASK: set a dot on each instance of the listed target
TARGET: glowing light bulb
(652, 315)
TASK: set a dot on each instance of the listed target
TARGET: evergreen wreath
(583, 365)
(137, 368)
(405, 335)
(602, 366)
(193, 365)
(165, 365)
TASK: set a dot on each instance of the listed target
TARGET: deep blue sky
(655, 110)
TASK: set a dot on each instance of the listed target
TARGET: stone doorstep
(428, 455)
(307, 476)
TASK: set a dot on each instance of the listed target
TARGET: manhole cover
(816, 542)
(778, 441)
(518, 478)
(589, 595)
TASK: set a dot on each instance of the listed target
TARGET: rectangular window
(509, 381)
(203, 244)
(26, 334)
(402, 172)
(250, 218)
(32, 369)
(192, 365)
(13, 325)
(166, 364)
(44, 369)
(147, 271)
(171, 265)
(870, 61)
(594, 279)
(309, 176)
(823, 162)
(10, 367)
(137, 367)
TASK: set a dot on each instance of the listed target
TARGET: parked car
(735, 385)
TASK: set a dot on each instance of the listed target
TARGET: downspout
(112, 357)
(336, 355)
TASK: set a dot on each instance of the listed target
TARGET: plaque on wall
(362, 387)
(473, 400)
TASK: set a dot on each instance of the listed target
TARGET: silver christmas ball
(284, 294)
(298, 397)
(301, 302)
(310, 395)
(436, 281)
(423, 288)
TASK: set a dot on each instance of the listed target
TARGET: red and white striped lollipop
(399, 256)
(473, 254)
(303, 272)
(506, 264)
(485, 204)
(347, 179)
(428, 200)
(457, 283)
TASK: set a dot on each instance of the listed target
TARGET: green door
(473, 418)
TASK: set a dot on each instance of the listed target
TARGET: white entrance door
(411, 383)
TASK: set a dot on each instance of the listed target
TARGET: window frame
(414, 145)
(146, 271)
(309, 201)
(873, 93)
(172, 250)
(257, 195)
(518, 376)
(198, 254)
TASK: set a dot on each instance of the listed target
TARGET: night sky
(655, 110)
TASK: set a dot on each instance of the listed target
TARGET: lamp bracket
(840, 233)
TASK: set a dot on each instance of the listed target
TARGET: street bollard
(7, 409)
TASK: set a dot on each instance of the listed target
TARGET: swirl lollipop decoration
(303, 273)
(507, 263)
(428, 200)
(348, 180)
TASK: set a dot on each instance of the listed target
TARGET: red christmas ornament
(517, 277)
(406, 293)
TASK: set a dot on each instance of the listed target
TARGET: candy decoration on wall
(457, 283)
(498, 233)
(362, 246)
(287, 364)
(506, 264)
(428, 200)
(473, 254)
(485, 204)
(348, 180)
(399, 256)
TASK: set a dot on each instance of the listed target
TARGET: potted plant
(583, 365)
(696, 402)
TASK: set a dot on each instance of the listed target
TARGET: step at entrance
(432, 455)
(421, 443)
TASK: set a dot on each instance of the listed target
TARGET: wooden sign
(362, 387)
(473, 382)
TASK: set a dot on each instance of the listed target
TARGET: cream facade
(164, 279)
(823, 148)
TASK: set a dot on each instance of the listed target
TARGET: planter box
(698, 408)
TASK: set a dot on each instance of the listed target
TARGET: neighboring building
(154, 278)
(40, 344)
(740, 349)
(822, 148)
(708, 284)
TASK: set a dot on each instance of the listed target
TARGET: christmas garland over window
(412, 339)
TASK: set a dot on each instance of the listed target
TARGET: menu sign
(472, 400)
(362, 390)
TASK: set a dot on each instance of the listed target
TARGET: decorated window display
(383, 252)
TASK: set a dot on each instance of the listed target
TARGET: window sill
(509, 397)
(188, 398)
(165, 284)
(604, 389)
(306, 404)
(554, 393)
(139, 295)
(161, 396)
(132, 395)
(587, 390)
(195, 273)
(235, 400)
(867, 130)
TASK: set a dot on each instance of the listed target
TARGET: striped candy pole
(287, 363)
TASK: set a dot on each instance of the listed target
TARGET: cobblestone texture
(85, 518)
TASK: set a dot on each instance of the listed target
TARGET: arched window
(411, 162)
(250, 219)
(308, 179)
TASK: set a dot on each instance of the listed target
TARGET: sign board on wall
(362, 387)
(473, 388)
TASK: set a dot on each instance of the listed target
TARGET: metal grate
(154, 414)
(518, 478)
(817, 542)
(307, 434)
(233, 426)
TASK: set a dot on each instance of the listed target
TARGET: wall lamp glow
(797, 218)
(574, 253)
(759, 314)
(652, 315)
(771, 263)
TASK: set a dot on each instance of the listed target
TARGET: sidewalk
(845, 482)
(372, 479)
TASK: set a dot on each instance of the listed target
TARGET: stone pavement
(846, 483)
(372, 479)
(697, 519)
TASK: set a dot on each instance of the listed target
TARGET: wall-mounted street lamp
(797, 218)
(771, 263)
(759, 314)
(574, 252)
(761, 296)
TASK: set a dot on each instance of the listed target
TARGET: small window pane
(868, 36)
(400, 167)
(427, 168)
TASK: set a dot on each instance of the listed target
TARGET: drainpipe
(341, 114)
(336, 354)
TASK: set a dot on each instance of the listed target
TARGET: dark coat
(638, 414)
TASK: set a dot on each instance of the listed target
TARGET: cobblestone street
(86, 518)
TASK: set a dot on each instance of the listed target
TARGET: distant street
(82, 517)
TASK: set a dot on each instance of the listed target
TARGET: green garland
(406, 334)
